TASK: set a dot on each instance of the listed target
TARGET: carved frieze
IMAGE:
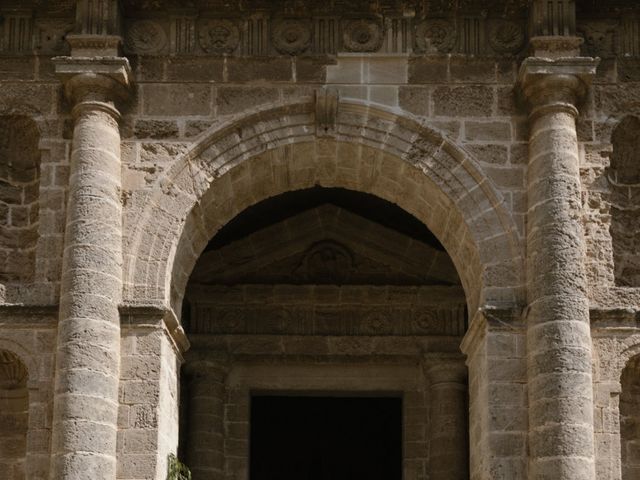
(16, 31)
(291, 36)
(599, 38)
(506, 36)
(337, 320)
(363, 35)
(50, 36)
(145, 37)
(218, 36)
(435, 36)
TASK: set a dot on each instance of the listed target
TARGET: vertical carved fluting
(88, 346)
(558, 332)
(205, 437)
(448, 439)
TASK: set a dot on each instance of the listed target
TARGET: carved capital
(446, 371)
(555, 85)
(214, 369)
(95, 83)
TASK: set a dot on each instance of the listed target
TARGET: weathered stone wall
(19, 198)
(429, 117)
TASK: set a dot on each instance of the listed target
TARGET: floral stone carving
(145, 36)
(506, 36)
(364, 35)
(218, 36)
(435, 36)
(291, 36)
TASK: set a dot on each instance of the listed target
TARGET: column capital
(95, 82)
(446, 370)
(207, 369)
(555, 84)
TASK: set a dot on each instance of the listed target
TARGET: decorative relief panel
(218, 36)
(291, 36)
(262, 34)
(17, 31)
(600, 38)
(506, 36)
(145, 37)
(335, 320)
(435, 36)
(363, 35)
(50, 35)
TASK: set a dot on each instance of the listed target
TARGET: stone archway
(368, 149)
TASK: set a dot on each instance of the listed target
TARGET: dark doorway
(326, 438)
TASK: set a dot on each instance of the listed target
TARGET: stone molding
(99, 81)
(152, 315)
(555, 84)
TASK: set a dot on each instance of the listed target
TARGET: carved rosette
(365, 35)
(218, 36)
(506, 36)
(435, 36)
(291, 36)
(145, 37)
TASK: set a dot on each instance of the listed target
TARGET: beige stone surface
(133, 133)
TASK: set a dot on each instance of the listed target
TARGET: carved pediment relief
(326, 245)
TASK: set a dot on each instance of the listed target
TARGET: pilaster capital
(95, 82)
(441, 371)
(555, 84)
(207, 370)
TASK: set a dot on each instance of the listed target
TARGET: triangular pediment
(326, 245)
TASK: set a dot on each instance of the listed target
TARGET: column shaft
(88, 345)
(448, 439)
(561, 439)
(205, 441)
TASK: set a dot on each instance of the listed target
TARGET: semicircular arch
(393, 156)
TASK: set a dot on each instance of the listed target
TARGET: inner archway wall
(368, 149)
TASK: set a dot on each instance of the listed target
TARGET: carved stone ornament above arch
(385, 153)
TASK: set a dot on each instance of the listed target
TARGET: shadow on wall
(14, 412)
(19, 191)
(624, 179)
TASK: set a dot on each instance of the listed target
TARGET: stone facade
(434, 200)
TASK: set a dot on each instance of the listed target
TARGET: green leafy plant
(176, 469)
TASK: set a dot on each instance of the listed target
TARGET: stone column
(561, 439)
(205, 437)
(88, 344)
(448, 437)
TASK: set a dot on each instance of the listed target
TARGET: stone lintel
(560, 82)
(106, 79)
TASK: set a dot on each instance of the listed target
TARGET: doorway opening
(325, 438)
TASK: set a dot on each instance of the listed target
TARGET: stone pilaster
(205, 440)
(88, 345)
(561, 442)
(449, 444)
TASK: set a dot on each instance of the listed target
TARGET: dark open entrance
(325, 438)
